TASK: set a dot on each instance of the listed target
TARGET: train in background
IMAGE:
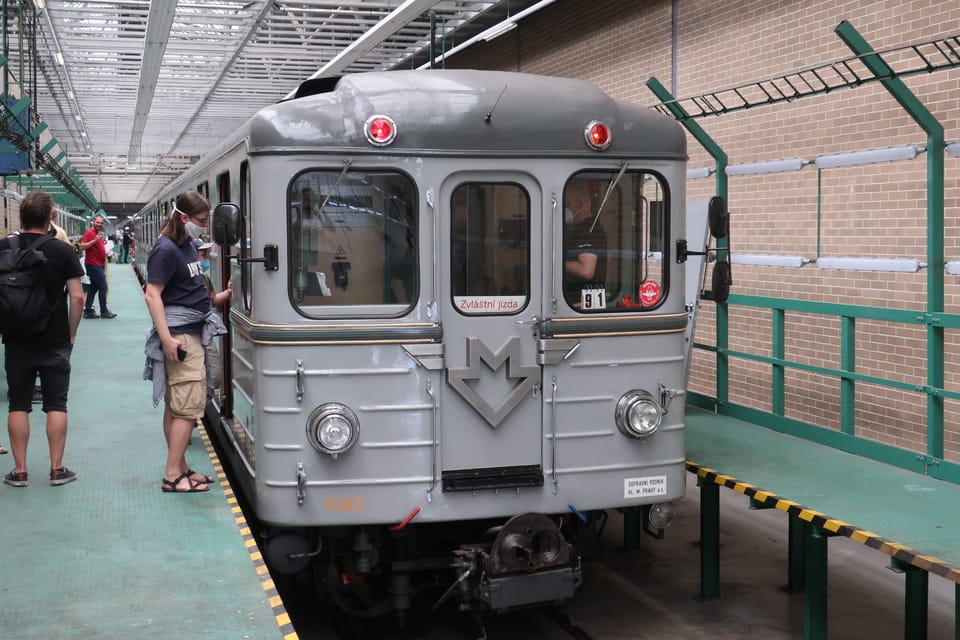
(419, 383)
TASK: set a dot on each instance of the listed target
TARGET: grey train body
(413, 380)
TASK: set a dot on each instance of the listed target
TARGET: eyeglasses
(201, 221)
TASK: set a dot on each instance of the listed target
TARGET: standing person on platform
(183, 325)
(48, 353)
(125, 245)
(95, 258)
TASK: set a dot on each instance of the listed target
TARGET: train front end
(460, 331)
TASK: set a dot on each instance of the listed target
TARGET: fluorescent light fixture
(870, 156)
(953, 267)
(71, 94)
(770, 166)
(900, 265)
(761, 260)
(498, 30)
(954, 149)
(702, 172)
(38, 4)
(59, 58)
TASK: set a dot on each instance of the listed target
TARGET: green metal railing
(867, 66)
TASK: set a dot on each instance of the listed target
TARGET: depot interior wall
(869, 211)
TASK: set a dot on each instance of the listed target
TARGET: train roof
(464, 111)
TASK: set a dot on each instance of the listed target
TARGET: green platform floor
(110, 555)
(904, 514)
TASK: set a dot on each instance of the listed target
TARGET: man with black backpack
(37, 276)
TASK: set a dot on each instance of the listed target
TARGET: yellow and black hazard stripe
(839, 527)
(249, 542)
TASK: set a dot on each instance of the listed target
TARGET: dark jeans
(98, 284)
(24, 362)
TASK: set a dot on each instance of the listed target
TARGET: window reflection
(490, 248)
(354, 241)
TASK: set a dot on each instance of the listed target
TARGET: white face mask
(193, 229)
(567, 215)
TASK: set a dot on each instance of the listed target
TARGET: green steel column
(709, 539)
(915, 603)
(779, 377)
(935, 145)
(723, 245)
(815, 578)
(848, 362)
(632, 525)
(795, 545)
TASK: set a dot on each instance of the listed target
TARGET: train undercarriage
(478, 567)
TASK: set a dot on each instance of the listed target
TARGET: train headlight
(660, 516)
(638, 415)
(332, 428)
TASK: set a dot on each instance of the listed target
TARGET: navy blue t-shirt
(179, 270)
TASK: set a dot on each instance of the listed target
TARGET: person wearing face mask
(184, 324)
(584, 243)
(95, 260)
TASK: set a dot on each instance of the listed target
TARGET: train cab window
(353, 242)
(490, 248)
(614, 235)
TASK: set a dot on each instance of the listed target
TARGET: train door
(490, 240)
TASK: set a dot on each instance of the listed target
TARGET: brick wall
(869, 211)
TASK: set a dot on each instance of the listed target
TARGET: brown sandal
(170, 486)
(203, 479)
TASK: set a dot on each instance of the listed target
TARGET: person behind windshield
(584, 243)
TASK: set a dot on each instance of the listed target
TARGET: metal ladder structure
(907, 60)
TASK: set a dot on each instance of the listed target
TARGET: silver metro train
(459, 329)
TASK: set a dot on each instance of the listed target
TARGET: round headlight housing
(638, 414)
(661, 515)
(332, 428)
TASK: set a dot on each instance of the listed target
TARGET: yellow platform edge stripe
(833, 525)
(266, 582)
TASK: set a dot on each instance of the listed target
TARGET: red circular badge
(649, 293)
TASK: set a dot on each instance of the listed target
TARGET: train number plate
(645, 487)
(593, 298)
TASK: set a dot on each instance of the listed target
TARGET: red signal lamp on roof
(598, 136)
(380, 130)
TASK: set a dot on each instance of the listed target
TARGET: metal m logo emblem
(477, 352)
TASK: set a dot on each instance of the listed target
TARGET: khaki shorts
(186, 381)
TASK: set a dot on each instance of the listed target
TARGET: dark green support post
(795, 556)
(815, 578)
(723, 245)
(632, 527)
(916, 590)
(709, 539)
(848, 362)
(935, 205)
(779, 378)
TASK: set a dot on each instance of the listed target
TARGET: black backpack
(24, 307)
